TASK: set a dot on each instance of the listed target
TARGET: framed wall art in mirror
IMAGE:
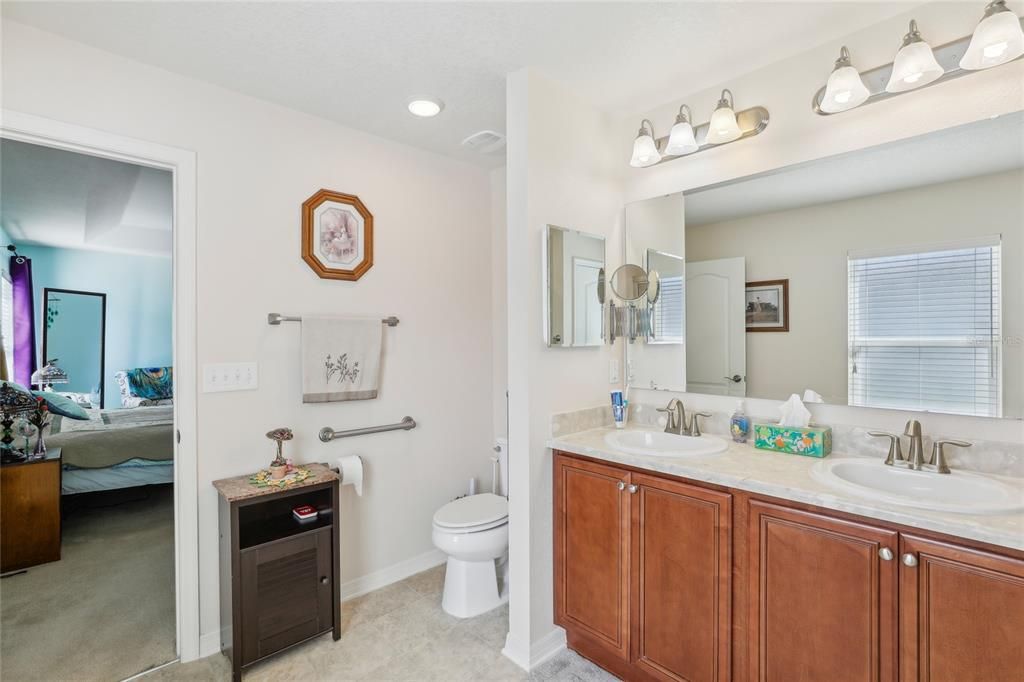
(896, 273)
(337, 235)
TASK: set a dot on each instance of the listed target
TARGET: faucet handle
(695, 423)
(895, 446)
(938, 457)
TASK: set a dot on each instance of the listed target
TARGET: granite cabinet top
(788, 477)
(239, 487)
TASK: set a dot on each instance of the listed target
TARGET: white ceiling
(52, 197)
(358, 63)
(989, 146)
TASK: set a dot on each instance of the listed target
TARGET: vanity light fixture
(425, 107)
(645, 149)
(845, 89)
(724, 127)
(682, 140)
(997, 39)
(915, 64)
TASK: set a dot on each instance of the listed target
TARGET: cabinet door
(286, 593)
(682, 580)
(592, 553)
(961, 614)
(822, 599)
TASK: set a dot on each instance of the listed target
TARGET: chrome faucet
(676, 422)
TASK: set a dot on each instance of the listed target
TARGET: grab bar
(327, 434)
(278, 318)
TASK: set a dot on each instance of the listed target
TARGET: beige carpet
(105, 611)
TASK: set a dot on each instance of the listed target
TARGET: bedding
(134, 472)
(146, 387)
(112, 437)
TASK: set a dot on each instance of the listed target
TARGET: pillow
(151, 383)
(58, 404)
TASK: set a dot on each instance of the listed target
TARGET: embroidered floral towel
(340, 358)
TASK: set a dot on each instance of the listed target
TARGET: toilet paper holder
(327, 434)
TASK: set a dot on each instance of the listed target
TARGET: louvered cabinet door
(286, 593)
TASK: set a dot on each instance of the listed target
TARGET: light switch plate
(613, 371)
(230, 376)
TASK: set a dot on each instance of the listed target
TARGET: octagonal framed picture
(337, 235)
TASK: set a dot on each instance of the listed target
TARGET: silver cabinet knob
(622, 485)
(909, 560)
(885, 553)
(632, 489)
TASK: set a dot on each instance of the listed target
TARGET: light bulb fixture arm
(844, 59)
(684, 115)
(724, 102)
(649, 130)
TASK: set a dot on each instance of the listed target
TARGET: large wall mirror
(74, 331)
(890, 277)
(574, 273)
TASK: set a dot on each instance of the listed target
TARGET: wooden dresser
(30, 512)
(280, 578)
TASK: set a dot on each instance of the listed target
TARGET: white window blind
(7, 321)
(924, 328)
(668, 315)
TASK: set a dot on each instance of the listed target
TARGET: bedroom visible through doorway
(86, 331)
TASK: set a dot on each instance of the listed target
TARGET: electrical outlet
(613, 371)
(230, 376)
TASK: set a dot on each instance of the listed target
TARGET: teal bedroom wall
(139, 303)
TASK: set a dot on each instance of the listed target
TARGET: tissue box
(811, 441)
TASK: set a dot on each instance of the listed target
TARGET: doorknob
(735, 378)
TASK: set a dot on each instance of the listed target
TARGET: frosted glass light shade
(645, 151)
(997, 40)
(914, 67)
(723, 127)
(845, 90)
(681, 140)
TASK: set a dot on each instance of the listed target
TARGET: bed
(116, 449)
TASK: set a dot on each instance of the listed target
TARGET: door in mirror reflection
(574, 274)
(74, 327)
(716, 327)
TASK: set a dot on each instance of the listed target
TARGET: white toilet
(473, 532)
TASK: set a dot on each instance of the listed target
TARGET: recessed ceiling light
(425, 107)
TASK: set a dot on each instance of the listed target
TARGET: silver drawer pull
(885, 553)
(632, 489)
(622, 485)
(909, 560)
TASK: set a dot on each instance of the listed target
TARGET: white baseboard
(209, 643)
(530, 657)
(392, 574)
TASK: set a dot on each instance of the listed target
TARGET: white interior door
(586, 308)
(716, 334)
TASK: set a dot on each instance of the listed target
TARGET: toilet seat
(472, 514)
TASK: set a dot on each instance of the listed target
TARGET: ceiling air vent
(485, 142)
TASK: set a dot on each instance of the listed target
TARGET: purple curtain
(24, 320)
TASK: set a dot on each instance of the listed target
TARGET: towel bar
(278, 318)
(327, 434)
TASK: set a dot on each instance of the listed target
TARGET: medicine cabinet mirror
(898, 268)
(574, 273)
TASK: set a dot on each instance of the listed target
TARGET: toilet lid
(473, 510)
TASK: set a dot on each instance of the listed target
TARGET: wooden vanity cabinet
(643, 572)
(657, 578)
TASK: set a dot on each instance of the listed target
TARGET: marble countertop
(239, 487)
(789, 477)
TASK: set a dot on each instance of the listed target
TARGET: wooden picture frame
(337, 235)
(766, 305)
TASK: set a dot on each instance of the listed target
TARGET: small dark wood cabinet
(30, 512)
(660, 578)
(280, 578)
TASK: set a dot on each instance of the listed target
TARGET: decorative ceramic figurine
(279, 467)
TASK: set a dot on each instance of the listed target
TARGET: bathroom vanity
(667, 577)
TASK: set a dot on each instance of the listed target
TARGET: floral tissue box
(812, 441)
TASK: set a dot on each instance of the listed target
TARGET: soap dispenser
(739, 424)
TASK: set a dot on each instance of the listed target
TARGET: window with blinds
(924, 328)
(668, 314)
(7, 321)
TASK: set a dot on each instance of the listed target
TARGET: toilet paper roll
(351, 469)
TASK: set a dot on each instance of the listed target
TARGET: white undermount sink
(660, 444)
(960, 491)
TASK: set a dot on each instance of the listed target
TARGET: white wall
(809, 246)
(257, 163)
(499, 305)
(557, 174)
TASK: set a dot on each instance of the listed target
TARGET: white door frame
(182, 164)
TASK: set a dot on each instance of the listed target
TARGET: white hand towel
(341, 358)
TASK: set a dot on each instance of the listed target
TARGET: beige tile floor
(395, 634)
